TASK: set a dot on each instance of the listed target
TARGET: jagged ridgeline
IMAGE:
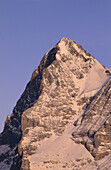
(62, 119)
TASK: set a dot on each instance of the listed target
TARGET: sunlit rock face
(58, 94)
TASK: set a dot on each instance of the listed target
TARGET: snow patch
(60, 149)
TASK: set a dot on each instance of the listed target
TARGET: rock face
(59, 91)
(94, 130)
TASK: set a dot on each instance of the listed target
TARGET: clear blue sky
(29, 28)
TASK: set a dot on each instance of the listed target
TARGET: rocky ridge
(59, 91)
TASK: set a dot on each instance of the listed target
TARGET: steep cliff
(59, 91)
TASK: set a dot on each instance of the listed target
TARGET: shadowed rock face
(94, 131)
(12, 133)
(55, 96)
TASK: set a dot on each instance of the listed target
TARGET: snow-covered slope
(60, 152)
(42, 121)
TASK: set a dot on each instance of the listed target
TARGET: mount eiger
(63, 118)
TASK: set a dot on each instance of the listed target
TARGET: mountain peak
(72, 47)
(66, 41)
(64, 38)
(60, 90)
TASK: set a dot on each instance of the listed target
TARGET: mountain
(63, 118)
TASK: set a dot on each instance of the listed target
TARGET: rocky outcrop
(94, 128)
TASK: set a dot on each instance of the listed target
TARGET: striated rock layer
(94, 130)
(59, 91)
